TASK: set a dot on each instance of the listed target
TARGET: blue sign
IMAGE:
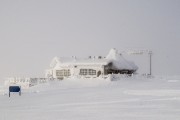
(14, 89)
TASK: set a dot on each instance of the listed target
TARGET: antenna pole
(150, 62)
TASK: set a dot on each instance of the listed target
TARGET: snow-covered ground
(136, 98)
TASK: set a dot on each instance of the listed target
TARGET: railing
(25, 82)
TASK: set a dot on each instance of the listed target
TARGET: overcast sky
(32, 32)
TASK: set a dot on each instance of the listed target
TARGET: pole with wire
(150, 62)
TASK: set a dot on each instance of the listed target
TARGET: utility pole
(150, 62)
(141, 52)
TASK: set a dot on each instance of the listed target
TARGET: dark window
(92, 72)
(59, 73)
(87, 72)
(83, 71)
(63, 72)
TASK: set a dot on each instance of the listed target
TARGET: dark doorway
(99, 73)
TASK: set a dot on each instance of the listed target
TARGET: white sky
(32, 32)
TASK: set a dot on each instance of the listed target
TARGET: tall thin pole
(150, 62)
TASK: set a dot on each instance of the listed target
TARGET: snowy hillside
(136, 98)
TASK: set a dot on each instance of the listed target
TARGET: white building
(91, 67)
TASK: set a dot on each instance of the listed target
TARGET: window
(87, 72)
(92, 72)
(64, 72)
(83, 71)
(59, 72)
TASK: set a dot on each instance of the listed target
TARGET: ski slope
(136, 98)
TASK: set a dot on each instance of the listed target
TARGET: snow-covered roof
(117, 60)
(65, 61)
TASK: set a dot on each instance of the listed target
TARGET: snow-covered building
(91, 67)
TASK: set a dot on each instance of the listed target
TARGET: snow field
(136, 98)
